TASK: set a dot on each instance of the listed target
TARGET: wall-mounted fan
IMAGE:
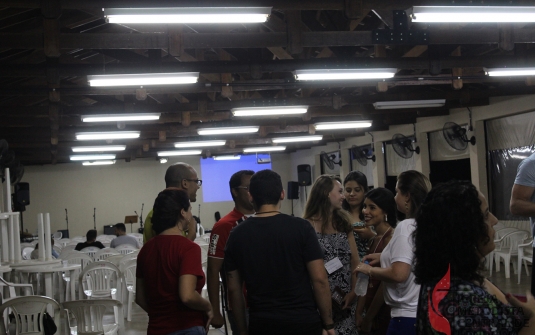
(329, 160)
(403, 146)
(362, 154)
(456, 137)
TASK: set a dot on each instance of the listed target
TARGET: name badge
(333, 265)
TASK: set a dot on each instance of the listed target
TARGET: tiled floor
(138, 325)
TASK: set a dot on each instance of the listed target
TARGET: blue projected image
(215, 174)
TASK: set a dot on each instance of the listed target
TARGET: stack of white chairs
(498, 235)
(75, 257)
(89, 316)
(129, 284)
(29, 312)
(125, 249)
(102, 254)
(507, 248)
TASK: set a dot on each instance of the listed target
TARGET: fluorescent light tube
(227, 130)
(99, 163)
(179, 153)
(120, 117)
(409, 104)
(226, 158)
(342, 125)
(163, 160)
(297, 139)
(91, 157)
(197, 144)
(348, 74)
(264, 149)
(506, 72)
(266, 111)
(99, 148)
(189, 15)
(112, 135)
(145, 79)
(476, 14)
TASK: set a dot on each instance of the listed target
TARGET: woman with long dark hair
(401, 291)
(454, 232)
(379, 210)
(335, 234)
(169, 272)
(355, 187)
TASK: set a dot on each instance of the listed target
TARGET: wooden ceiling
(47, 48)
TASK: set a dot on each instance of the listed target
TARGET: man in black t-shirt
(281, 262)
(90, 237)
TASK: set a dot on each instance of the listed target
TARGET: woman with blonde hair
(335, 234)
(401, 291)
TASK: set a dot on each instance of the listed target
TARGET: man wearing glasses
(239, 187)
(182, 176)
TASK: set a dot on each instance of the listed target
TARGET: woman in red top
(169, 272)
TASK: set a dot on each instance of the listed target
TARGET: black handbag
(49, 325)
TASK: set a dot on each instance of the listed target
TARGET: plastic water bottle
(362, 283)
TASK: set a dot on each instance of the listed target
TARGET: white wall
(115, 191)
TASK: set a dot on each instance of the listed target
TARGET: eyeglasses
(243, 187)
(198, 181)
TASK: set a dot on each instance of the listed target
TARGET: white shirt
(403, 297)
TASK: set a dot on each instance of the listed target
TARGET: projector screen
(215, 174)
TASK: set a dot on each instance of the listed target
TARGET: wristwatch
(328, 327)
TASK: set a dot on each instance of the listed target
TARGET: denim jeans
(197, 330)
(402, 326)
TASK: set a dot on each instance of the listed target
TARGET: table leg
(49, 289)
(73, 290)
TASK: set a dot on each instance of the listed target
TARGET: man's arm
(520, 203)
(235, 293)
(212, 279)
(322, 292)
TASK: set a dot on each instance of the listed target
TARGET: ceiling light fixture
(267, 111)
(342, 125)
(506, 72)
(346, 74)
(188, 15)
(99, 148)
(91, 157)
(163, 160)
(227, 130)
(179, 153)
(409, 104)
(197, 144)
(112, 135)
(472, 14)
(120, 117)
(143, 79)
(264, 149)
(99, 163)
(226, 158)
(297, 139)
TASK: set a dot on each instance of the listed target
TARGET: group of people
(422, 249)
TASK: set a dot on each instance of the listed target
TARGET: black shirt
(271, 254)
(83, 245)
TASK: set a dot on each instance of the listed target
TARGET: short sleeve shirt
(221, 232)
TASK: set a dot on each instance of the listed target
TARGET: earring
(386, 217)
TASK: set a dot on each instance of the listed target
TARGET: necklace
(267, 212)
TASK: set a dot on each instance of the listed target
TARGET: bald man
(184, 177)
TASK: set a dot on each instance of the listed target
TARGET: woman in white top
(401, 292)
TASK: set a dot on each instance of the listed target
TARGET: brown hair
(417, 185)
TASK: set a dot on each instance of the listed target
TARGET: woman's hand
(528, 307)
(348, 299)
(364, 268)
(209, 315)
(373, 259)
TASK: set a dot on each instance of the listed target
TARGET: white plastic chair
(67, 250)
(525, 254)
(125, 249)
(115, 259)
(29, 312)
(498, 235)
(74, 257)
(78, 239)
(63, 241)
(89, 317)
(127, 258)
(90, 251)
(138, 236)
(129, 280)
(102, 254)
(11, 289)
(57, 235)
(508, 249)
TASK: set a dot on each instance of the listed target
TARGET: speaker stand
(293, 207)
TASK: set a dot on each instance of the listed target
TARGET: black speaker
(21, 198)
(109, 230)
(304, 175)
(293, 190)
